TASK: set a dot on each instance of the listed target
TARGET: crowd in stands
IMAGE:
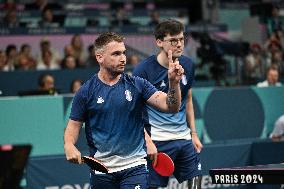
(47, 85)
(267, 58)
(255, 63)
(48, 58)
(54, 14)
(75, 55)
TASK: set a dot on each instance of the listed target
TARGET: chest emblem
(183, 80)
(128, 95)
(163, 84)
(100, 100)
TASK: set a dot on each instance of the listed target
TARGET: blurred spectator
(78, 47)
(3, 61)
(183, 17)
(45, 45)
(47, 62)
(277, 60)
(68, 62)
(133, 60)
(254, 65)
(272, 77)
(278, 131)
(25, 54)
(92, 60)
(273, 43)
(211, 56)
(75, 85)
(9, 4)
(46, 84)
(23, 63)
(275, 22)
(280, 37)
(11, 20)
(12, 56)
(120, 18)
(274, 53)
(154, 18)
(47, 19)
(69, 50)
(192, 44)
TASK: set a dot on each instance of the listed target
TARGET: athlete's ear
(99, 57)
(159, 43)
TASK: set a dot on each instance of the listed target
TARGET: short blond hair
(106, 38)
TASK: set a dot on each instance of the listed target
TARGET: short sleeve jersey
(113, 119)
(166, 126)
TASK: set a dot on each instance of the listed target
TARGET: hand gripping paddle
(94, 164)
(165, 165)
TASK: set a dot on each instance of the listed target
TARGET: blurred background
(46, 54)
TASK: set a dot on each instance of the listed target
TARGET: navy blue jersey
(166, 126)
(113, 119)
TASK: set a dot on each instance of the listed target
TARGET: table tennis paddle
(94, 164)
(165, 165)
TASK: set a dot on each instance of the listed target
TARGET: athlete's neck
(163, 59)
(107, 78)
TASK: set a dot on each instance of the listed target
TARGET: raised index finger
(170, 56)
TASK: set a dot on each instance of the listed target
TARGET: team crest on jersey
(199, 166)
(183, 80)
(163, 84)
(100, 100)
(128, 95)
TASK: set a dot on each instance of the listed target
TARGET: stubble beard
(115, 72)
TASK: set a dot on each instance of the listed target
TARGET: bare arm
(191, 122)
(71, 135)
(151, 148)
(169, 102)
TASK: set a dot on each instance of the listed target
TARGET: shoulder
(187, 64)
(150, 59)
(146, 62)
(186, 61)
(132, 79)
(87, 86)
(136, 81)
(91, 81)
(144, 65)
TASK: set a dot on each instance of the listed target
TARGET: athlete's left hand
(196, 143)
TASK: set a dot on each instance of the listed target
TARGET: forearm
(174, 97)
(191, 120)
(147, 137)
(190, 112)
(151, 148)
(72, 132)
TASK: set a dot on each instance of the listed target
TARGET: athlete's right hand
(73, 155)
